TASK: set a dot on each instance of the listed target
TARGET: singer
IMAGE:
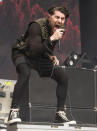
(35, 50)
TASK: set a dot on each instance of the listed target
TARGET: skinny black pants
(44, 69)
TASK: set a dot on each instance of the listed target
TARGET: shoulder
(34, 27)
(41, 22)
(39, 27)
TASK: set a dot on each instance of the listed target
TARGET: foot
(14, 116)
(62, 118)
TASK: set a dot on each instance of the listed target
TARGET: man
(36, 51)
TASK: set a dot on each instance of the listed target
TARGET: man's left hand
(55, 60)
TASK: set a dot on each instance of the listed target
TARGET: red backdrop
(14, 18)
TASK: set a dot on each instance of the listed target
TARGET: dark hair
(62, 9)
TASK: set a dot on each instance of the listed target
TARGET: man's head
(62, 9)
(57, 16)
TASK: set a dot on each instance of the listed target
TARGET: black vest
(21, 43)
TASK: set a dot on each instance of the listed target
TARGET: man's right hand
(57, 35)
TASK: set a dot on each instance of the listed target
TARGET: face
(57, 20)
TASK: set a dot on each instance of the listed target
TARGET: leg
(23, 71)
(23, 75)
(61, 78)
(58, 74)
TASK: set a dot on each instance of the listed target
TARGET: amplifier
(39, 99)
(82, 116)
(39, 96)
(82, 89)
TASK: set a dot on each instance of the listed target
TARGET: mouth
(57, 26)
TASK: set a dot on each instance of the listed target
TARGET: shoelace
(14, 114)
(63, 115)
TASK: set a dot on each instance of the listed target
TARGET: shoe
(62, 118)
(14, 116)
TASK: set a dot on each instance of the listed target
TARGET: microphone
(59, 45)
(59, 42)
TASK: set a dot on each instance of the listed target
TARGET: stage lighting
(79, 60)
(72, 59)
(71, 62)
(75, 57)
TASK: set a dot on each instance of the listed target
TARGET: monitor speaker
(82, 90)
(39, 96)
(39, 99)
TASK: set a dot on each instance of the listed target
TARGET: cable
(52, 71)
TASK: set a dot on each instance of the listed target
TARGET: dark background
(88, 28)
(14, 18)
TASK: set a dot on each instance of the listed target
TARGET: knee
(64, 79)
(23, 76)
(26, 75)
(23, 71)
(60, 76)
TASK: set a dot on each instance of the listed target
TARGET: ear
(48, 15)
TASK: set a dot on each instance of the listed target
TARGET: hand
(58, 34)
(55, 60)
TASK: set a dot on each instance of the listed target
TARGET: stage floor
(50, 127)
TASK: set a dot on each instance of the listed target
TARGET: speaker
(82, 116)
(39, 99)
(81, 100)
(82, 90)
(38, 102)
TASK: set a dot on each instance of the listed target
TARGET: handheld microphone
(59, 45)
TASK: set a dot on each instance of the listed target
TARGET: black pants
(44, 69)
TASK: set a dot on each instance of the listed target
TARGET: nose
(59, 20)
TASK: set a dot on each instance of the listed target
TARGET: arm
(57, 35)
(35, 44)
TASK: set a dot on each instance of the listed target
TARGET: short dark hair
(62, 9)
